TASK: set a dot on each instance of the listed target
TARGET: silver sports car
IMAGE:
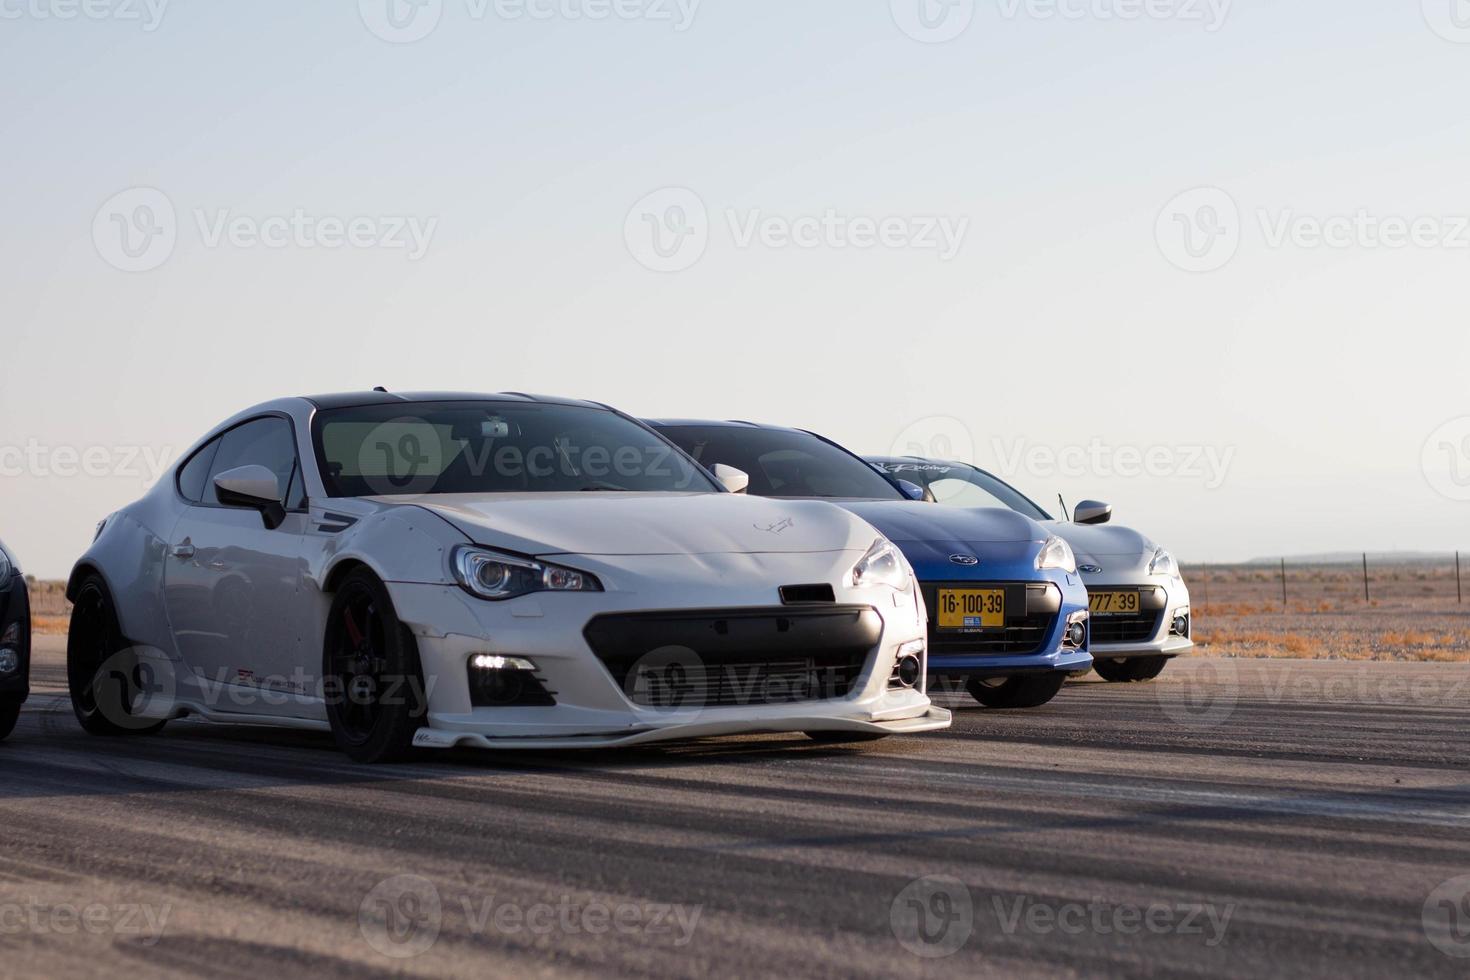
(486, 570)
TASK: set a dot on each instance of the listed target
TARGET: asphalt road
(1234, 818)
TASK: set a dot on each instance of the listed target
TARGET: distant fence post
(1459, 595)
(1366, 597)
(1283, 583)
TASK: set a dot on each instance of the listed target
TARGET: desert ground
(1411, 613)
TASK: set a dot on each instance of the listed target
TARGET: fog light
(1076, 633)
(1180, 626)
(9, 662)
(909, 669)
(908, 666)
(489, 661)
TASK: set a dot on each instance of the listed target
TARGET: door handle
(183, 551)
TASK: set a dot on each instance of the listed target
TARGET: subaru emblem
(964, 559)
(1089, 569)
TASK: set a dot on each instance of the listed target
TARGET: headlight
(4, 568)
(1163, 564)
(491, 575)
(882, 565)
(1056, 553)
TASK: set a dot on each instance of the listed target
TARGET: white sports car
(1136, 595)
(486, 570)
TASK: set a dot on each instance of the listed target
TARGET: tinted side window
(192, 475)
(264, 442)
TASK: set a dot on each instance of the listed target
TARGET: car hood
(1104, 544)
(649, 523)
(928, 534)
(904, 521)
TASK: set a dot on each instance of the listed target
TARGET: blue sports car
(1008, 615)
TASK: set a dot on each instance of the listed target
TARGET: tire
(371, 674)
(101, 669)
(9, 715)
(845, 738)
(1025, 691)
(1130, 670)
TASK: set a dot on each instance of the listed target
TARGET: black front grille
(711, 658)
(1125, 628)
(1031, 613)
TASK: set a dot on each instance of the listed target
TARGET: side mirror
(736, 481)
(255, 487)
(912, 490)
(1092, 512)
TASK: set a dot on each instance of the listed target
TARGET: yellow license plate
(1103, 603)
(968, 609)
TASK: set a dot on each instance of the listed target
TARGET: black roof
(354, 399)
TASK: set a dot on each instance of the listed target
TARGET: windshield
(782, 463)
(959, 485)
(493, 447)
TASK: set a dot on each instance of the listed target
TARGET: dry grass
(1412, 613)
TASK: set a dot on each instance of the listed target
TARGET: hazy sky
(817, 213)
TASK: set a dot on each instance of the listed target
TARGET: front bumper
(1127, 637)
(1030, 643)
(15, 612)
(591, 701)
